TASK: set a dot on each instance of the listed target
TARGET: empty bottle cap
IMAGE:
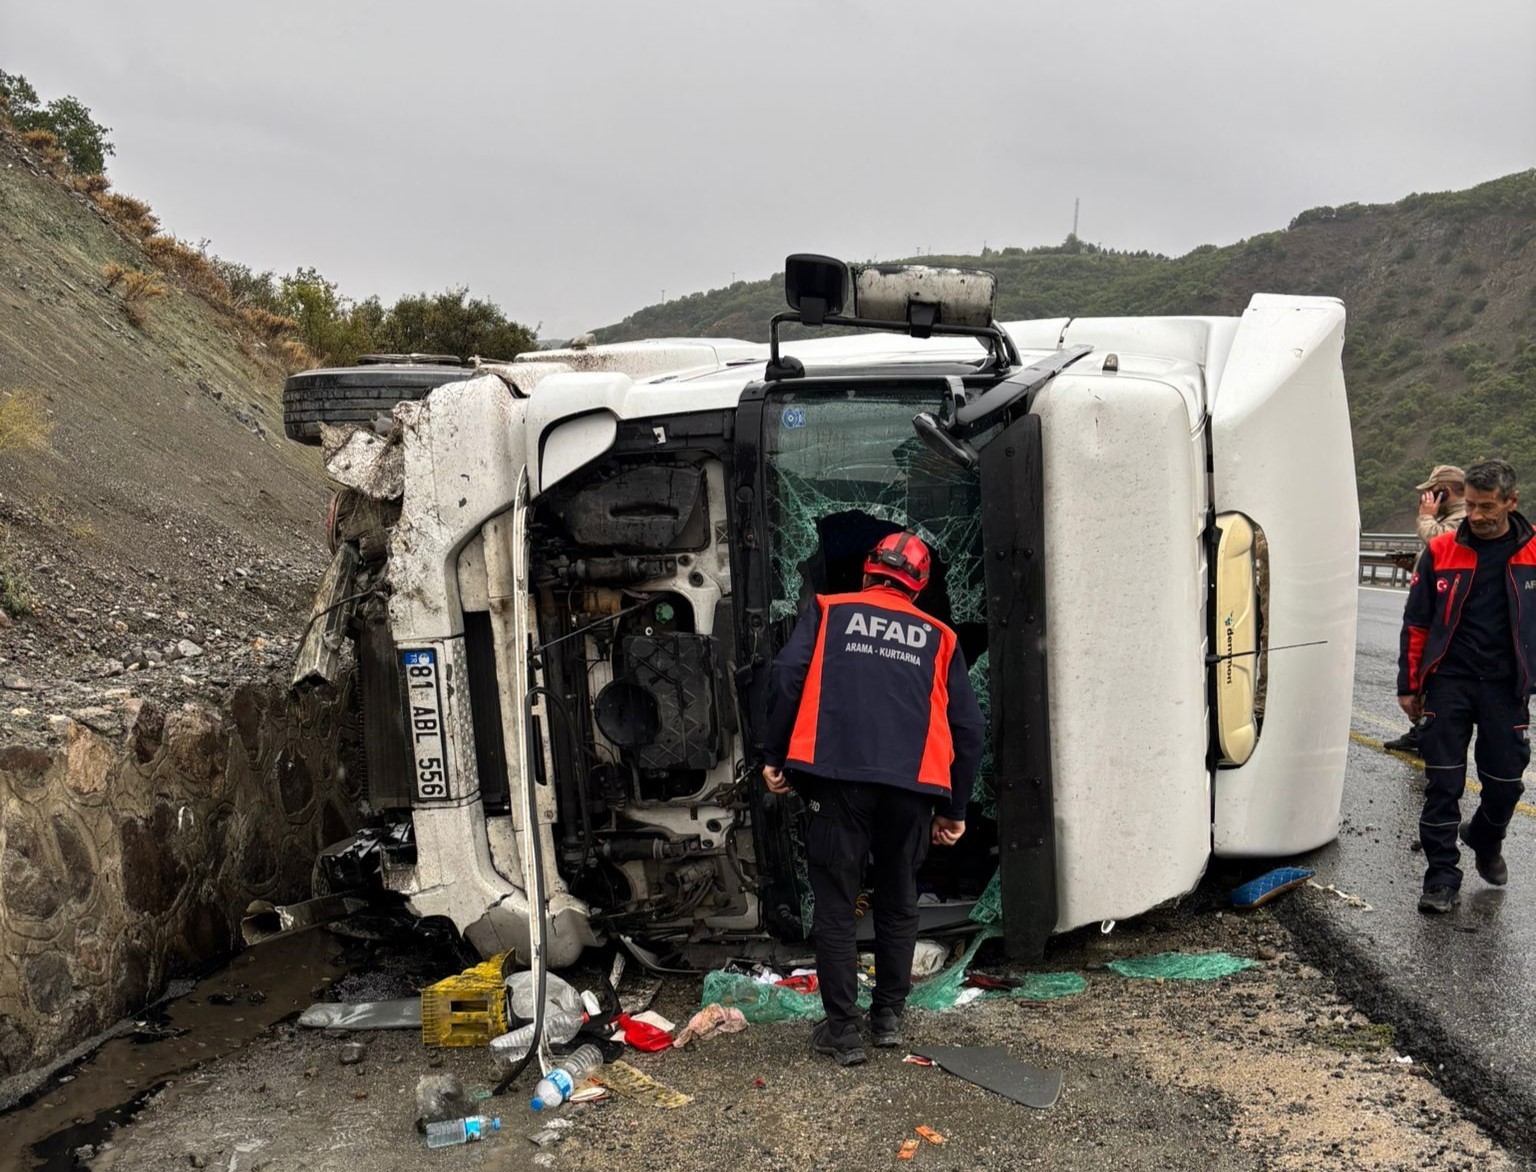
(536, 1104)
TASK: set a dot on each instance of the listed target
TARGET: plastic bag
(558, 995)
(765, 1003)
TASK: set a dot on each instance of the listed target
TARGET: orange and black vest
(1436, 597)
(871, 689)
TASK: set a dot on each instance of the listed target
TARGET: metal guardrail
(1379, 555)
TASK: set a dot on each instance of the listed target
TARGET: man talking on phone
(1442, 505)
(1442, 502)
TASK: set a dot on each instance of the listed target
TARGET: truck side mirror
(814, 286)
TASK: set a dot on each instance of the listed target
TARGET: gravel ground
(1268, 1069)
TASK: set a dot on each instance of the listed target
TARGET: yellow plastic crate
(489, 969)
(467, 1010)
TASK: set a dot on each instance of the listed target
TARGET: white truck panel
(464, 455)
(1281, 445)
(1123, 510)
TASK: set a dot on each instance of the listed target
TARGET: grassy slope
(1441, 292)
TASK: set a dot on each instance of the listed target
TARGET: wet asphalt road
(1461, 988)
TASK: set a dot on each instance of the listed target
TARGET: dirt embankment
(165, 525)
(160, 541)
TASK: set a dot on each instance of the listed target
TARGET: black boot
(885, 1027)
(1490, 863)
(1407, 743)
(844, 1045)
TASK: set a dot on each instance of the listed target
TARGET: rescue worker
(1441, 508)
(1467, 658)
(872, 718)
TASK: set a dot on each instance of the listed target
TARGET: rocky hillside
(1441, 292)
(154, 522)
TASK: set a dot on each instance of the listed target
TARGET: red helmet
(901, 557)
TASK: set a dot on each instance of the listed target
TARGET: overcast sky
(572, 160)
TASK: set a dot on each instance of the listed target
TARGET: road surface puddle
(68, 1120)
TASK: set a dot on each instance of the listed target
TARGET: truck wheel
(361, 393)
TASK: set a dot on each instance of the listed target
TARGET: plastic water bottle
(559, 1027)
(556, 1086)
(448, 1132)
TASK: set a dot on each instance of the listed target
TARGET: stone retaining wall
(130, 846)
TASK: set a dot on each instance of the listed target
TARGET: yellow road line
(1472, 784)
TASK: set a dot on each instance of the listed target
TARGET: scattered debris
(623, 1079)
(265, 920)
(928, 958)
(714, 1018)
(993, 1068)
(642, 1034)
(403, 1014)
(1351, 900)
(930, 1135)
(352, 1053)
(1258, 892)
(440, 1097)
(919, 1060)
(909, 1148)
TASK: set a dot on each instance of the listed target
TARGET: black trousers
(1452, 706)
(849, 824)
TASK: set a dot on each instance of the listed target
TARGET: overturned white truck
(568, 576)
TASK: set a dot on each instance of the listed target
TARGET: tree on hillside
(451, 322)
(83, 140)
(324, 317)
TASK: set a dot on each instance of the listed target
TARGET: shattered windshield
(843, 471)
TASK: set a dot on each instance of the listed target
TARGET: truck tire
(360, 394)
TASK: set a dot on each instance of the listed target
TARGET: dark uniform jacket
(1436, 596)
(871, 689)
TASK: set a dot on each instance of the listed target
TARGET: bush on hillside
(131, 215)
(192, 265)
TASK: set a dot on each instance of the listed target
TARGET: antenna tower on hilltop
(1077, 202)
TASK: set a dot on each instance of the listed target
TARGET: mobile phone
(1441, 494)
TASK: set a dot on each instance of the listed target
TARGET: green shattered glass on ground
(1182, 966)
(770, 1003)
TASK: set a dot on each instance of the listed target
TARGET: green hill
(1440, 288)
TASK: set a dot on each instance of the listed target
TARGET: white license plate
(424, 724)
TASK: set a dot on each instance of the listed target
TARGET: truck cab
(1144, 533)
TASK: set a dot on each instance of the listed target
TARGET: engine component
(647, 847)
(564, 571)
(663, 705)
(643, 507)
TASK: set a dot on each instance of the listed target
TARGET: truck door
(1283, 470)
(823, 470)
